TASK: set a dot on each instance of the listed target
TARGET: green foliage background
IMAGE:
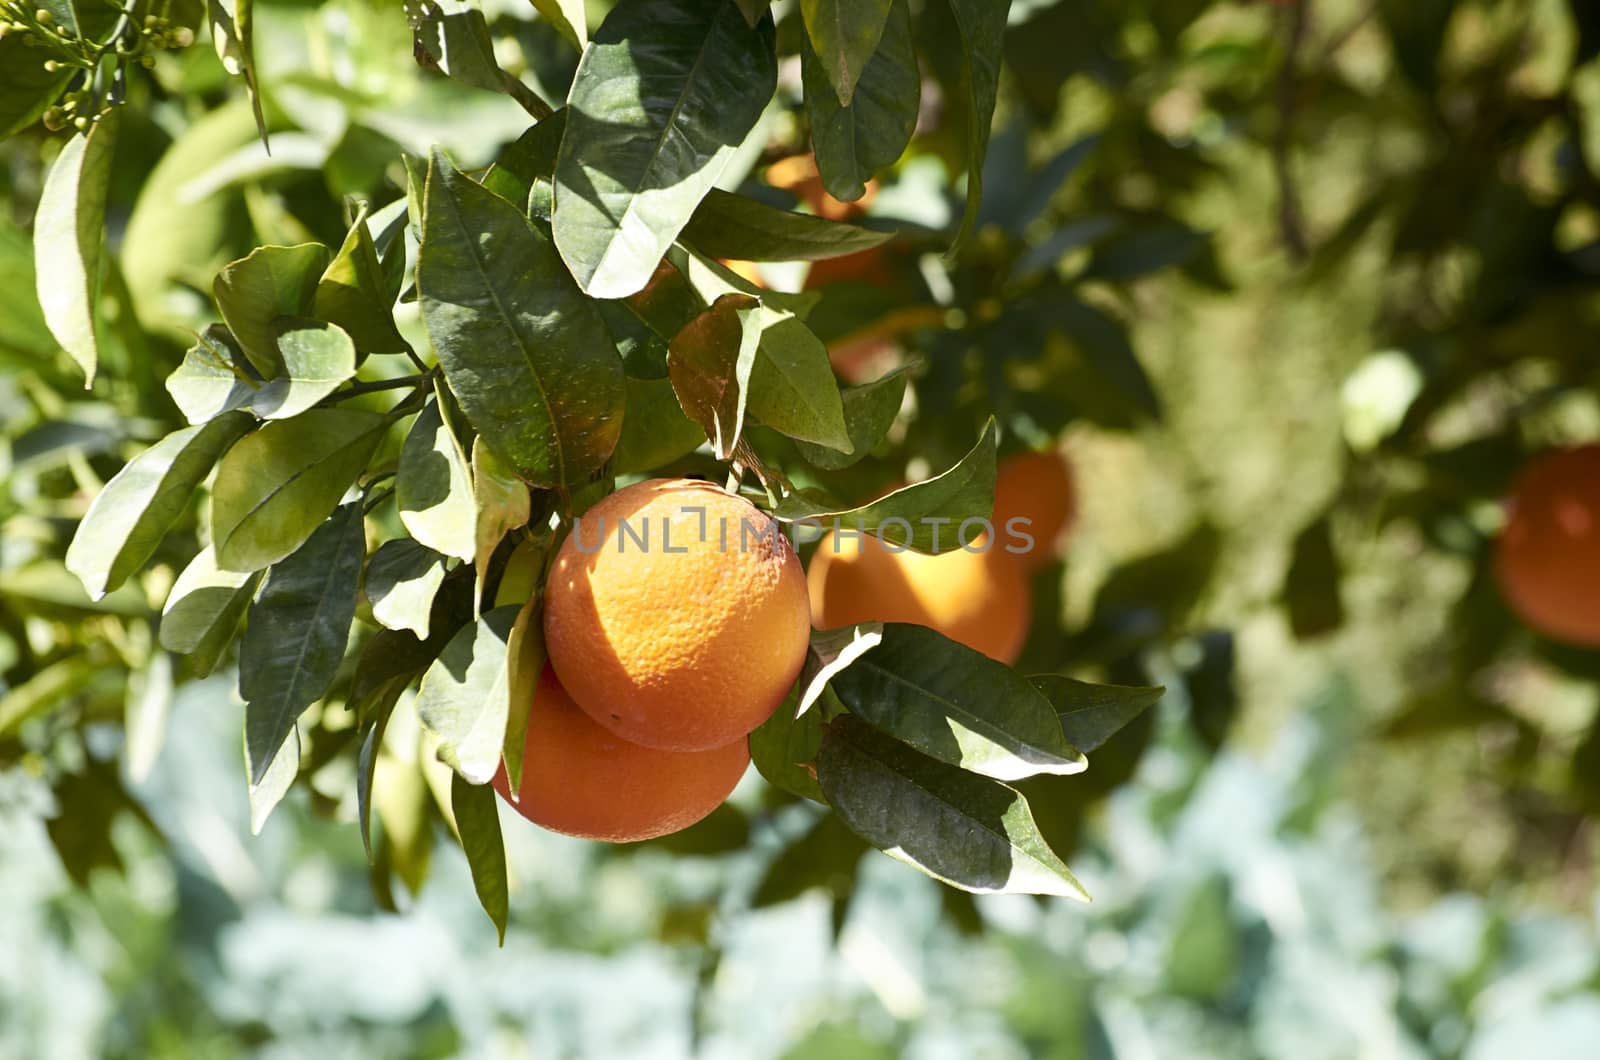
(1302, 284)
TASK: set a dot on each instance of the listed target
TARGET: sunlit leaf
(203, 610)
(725, 225)
(68, 239)
(868, 131)
(465, 695)
(969, 831)
(256, 290)
(478, 823)
(402, 578)
(709, 363)
(433, 486)
(1091, 714)
(650, 129)
(129, 517)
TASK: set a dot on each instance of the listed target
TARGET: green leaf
(526, 354)
(275, 781)
(784, 745)
(725, 225)
(1091, 714)
(525, 651)
(316, 359)
(88, 805)
(353, 293)
(869, 411)
(214, 377)
(753, 10)
(983, 26)
(204, 608)
(233, 33)
(453, 35)
(133, 512)
(827, 855)
(254, 291)
(277, 485)
(1311, 588)
(969, 831)
(925, 516)
(402, 579)
(709, 363)
(957, 705)
(649, 130)
(296, 635)
(478, 823)
(374, 723)
(567, 17)
(465, 695)
(831, 651)
(531, 157)
(26, 88)
(843, 35)
(869, 132)
(792, 387)
(655, 430)
(501, 502)
(433, 487)
(147, 706)
(69, 238)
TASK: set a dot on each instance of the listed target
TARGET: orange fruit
(1548, 557)
(676, 615)
(581, 779)
(745, 270)
(1036, 486)
(798, 174)
(977, 598)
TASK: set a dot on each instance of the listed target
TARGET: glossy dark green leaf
(69, 237)
(725, 225)
(925, 516)
(1311, 587)
(501, 503)
(784, 747)
(214, 377)
(353, 293)
(478, 824)
(269, 283)
(831, 651)
(709, 363)
(957, 705)
(969, 831)
(843, 35)
(203, 610)
(525, 652)
(277, 485)
(297, 630)
(869, 132)
(1091, 714)
(529, 158)
(274, 782)
(433, 487)
(525, 353)
(827, 855)
(650, 128)
(129, 517)
(655, 430)
(869, 411)
(792, 386)
(402, 578)
(374, 723)
(465, 695)
(982, 24)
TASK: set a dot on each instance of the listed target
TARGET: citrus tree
(411, 390)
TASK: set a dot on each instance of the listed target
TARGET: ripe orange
(798, 174)
(746, 270)
(1548, 558)
(1036, 486)
(676, 615)
(581, 779)
(977, 598)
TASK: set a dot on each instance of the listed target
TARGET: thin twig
(526, 98)
(1290, 220)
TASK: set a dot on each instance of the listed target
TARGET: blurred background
(1297, 286)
